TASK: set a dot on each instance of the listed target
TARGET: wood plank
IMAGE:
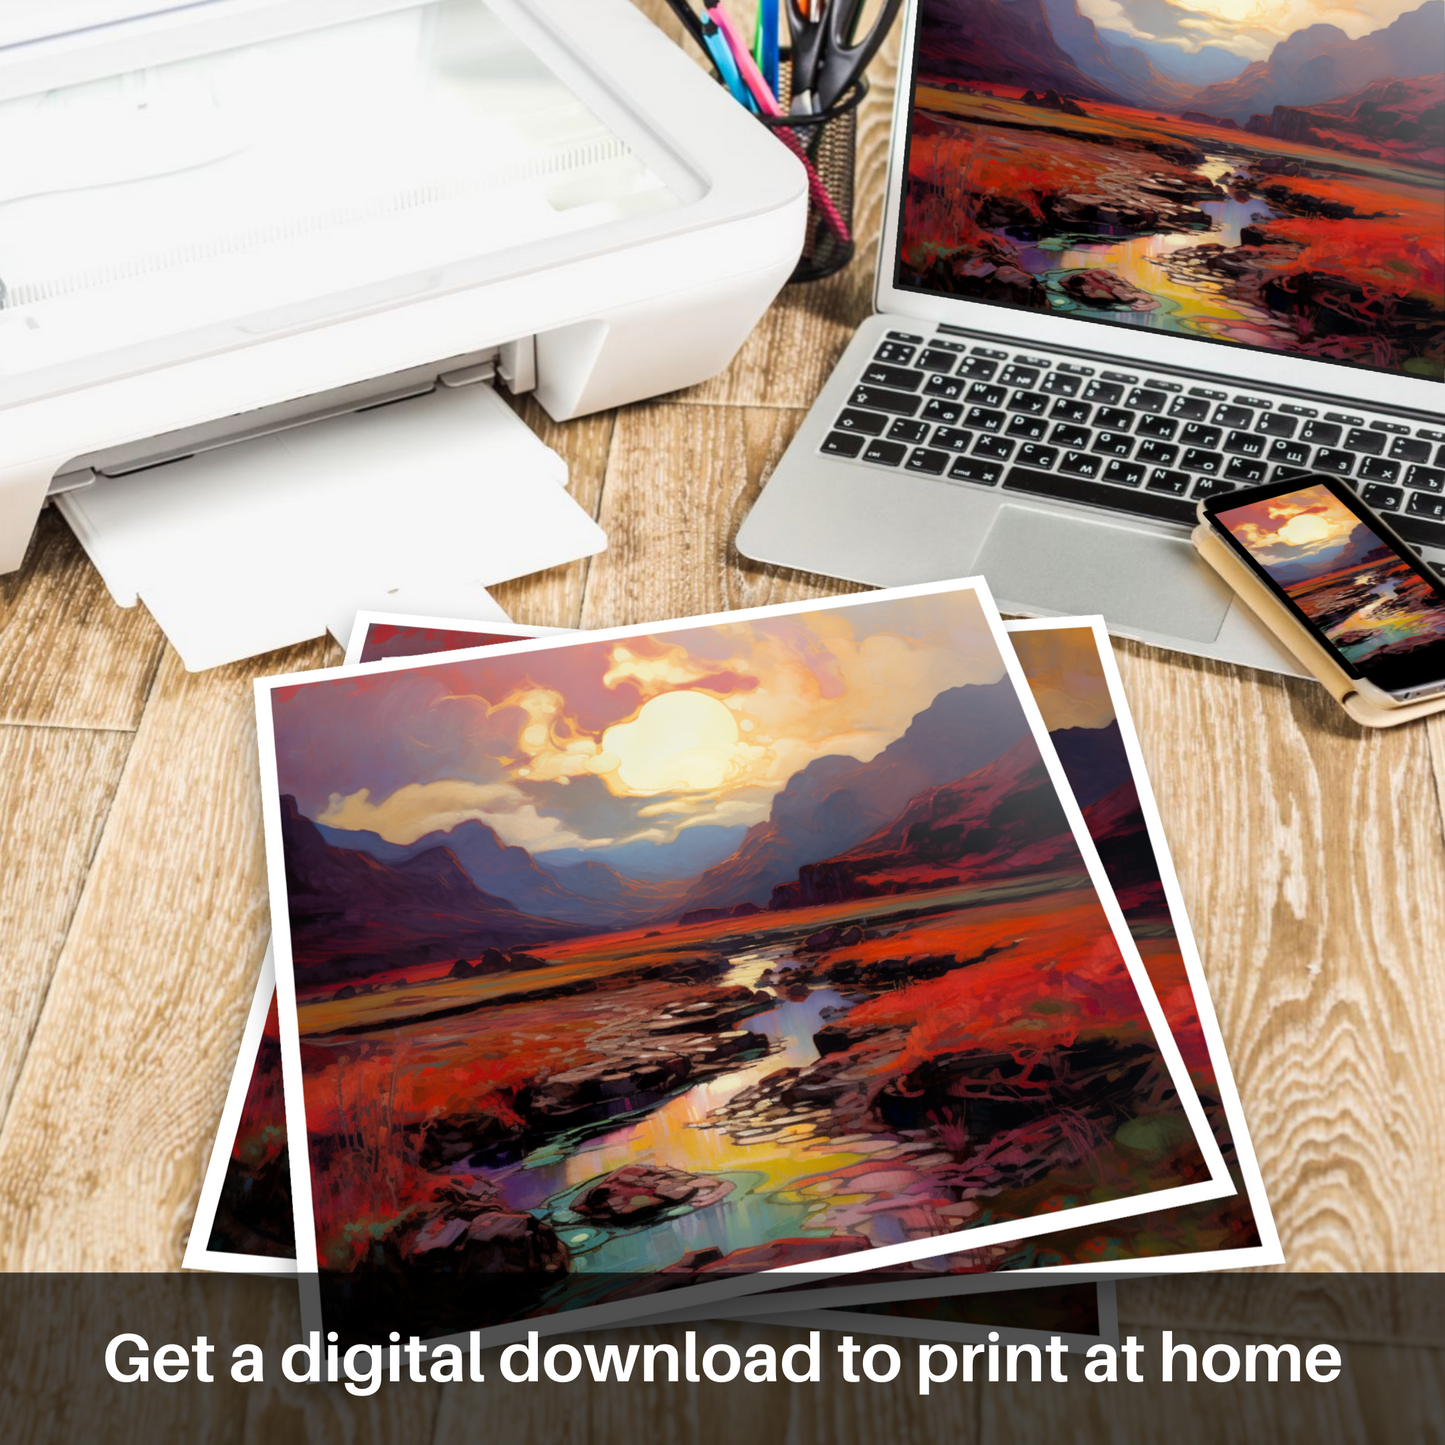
(554, 598)
(69, 657)
(116, 1105)
(679, 481)
(56, 786)
(1312, 860)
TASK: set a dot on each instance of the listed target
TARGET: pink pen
(768, 105)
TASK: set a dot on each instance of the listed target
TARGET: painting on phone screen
(1367, 601)
(1269, 176)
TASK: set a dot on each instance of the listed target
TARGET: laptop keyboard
(1141, 444)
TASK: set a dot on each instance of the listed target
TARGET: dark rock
(851, 936)
(639, 1193)
(489, 1243)
(1104, 290)
(1198, 117)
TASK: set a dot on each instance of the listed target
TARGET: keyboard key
(1211, 487)
(1156, 454)
(1195, 435)
(1019, 375)
(1042, 458)
(1377, 469)
(1430, 435)
(877, 374)
(1124, 474)
(958, 348)
(948, 387)
(1272, 424)
(867, 422)
(1127, 377)
(905, 430)
(996, 448)
(895, 353)
(1382, 499)
(1081, 464)
(1235, 416)
(1289, 474)
(878, 398)
(945, 411)
(1112, 444)
(1189, 408)
(1440, 457)
(1156, 426)
(1060, 383)
(977, 368)
(1418, 530)
(1406, 449)
(1078, 489)
(1321, 433)
(1422, 505)
(1161, 479)
(1035, 403)
(1077, 370)
(1245, 469)
(1196, 459)
(1427, 479)
(1332, 459)
(886, 454)
(1030, 428)
(985, 395)
(905, 336)
(1371, 443)
(1294, 410)
(1253, 401)
(1107, 392)
(1114, 418)
(1292, 454)
(933, 463)
(1075, 411)
(935, 360)
(1206, 392)
(1145, 398)
(955, 439)
(983, 419)
(971, 469)
(1244, 444)
(843, 444)
(1344, 418)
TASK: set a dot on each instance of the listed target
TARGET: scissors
(827, 55)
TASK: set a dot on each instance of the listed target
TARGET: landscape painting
(1272, 176)
(1370, 603)
(637, 963)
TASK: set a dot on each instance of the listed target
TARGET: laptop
(1107, 288)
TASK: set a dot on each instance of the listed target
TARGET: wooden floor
(133, 906)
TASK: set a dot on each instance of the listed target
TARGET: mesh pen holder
(827, 145)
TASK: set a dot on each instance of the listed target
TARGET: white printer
(232, 231)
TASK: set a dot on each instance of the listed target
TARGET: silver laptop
(1104, 292)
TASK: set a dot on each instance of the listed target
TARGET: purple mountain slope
(1121, 69)
(836, 802)
(609, 900)
(1094, 760)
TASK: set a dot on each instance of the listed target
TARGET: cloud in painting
(1065, 677)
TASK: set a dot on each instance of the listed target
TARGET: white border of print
(199, 1255)
(500, 626)
(1268, 1250)
(954, 1331)
(1217, 1185)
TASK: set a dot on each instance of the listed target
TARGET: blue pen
(768, 28)
(727, 67)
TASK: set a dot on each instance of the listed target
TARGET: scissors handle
(843, 58)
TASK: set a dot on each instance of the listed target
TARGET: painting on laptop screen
(1268, 176)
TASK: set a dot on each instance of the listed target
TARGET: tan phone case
(1300, 640)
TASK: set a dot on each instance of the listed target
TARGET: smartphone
(1373, 604)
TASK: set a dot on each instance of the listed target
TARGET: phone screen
(1372, 604)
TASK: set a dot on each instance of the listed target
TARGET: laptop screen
(1261, 176)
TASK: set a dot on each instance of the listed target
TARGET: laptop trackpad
(1071, 565)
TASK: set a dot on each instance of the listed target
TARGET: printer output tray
(415, 506)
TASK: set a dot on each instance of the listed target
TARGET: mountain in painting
(685, 856)
(604, 898)
(1008, 42)
(1190, 67)
(1322, 63)
(1094, 760)
(1003, 819)
(1402, 119)
(352, 914)
(1122, 70)
(836, 801)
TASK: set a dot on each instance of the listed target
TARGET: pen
(724, 57)
(765, 42)
(687, 16)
